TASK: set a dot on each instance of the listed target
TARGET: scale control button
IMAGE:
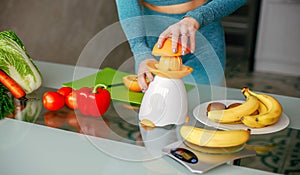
(184, 155)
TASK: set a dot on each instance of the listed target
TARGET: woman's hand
(144, 73)
(183, 30)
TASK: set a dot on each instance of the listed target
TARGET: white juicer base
(165, 102)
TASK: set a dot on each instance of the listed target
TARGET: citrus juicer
(165, 101)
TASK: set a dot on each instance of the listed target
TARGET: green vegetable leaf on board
(16, 63)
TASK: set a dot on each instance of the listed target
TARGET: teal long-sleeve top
(142, 26)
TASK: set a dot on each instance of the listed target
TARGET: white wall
(58, 30)
(278, 42)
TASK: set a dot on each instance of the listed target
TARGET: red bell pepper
(93, 101)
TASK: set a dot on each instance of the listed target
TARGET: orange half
(166, 49)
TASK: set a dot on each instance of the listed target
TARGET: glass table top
(277, 152)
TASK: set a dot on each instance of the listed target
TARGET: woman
(188, 21)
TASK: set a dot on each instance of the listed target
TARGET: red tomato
(53, 101)
(64, 91)
(71, 101)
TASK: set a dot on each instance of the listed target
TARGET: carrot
(15, 89)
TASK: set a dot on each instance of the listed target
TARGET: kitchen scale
(198, 162)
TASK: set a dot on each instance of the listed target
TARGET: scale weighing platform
(198, 162)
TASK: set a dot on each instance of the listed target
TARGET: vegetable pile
(18, 73)
(89, 101)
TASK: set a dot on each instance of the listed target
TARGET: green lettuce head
(15, 62)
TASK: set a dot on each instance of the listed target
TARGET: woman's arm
(186, 28)
(215, 10)
(131, 19)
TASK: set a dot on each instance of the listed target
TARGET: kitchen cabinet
(278, 39)
(240, 32)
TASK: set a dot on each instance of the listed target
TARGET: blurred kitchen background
(262, 38)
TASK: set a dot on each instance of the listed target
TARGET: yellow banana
(214, 138)
(269, 117)
(235, 122)
(273, 114)
(236, 113)
(251, 121)
(262, 108)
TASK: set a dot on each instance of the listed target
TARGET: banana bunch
(269, 110)
(214, 138)
(235, 114)
(259, 110)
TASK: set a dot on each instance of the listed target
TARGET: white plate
(200, 114)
